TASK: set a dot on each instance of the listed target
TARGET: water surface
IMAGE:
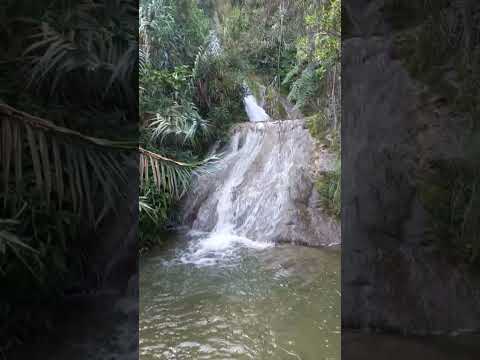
(227, 297)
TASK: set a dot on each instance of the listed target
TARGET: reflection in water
(211, 298)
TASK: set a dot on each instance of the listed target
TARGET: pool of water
(226, 297)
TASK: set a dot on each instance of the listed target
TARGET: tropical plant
(329, 187)
(68, 167)
(318, 59)
(11, 242)
(171, 31)
(69, 84)
(175, 130)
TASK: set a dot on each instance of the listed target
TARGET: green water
(239, 301)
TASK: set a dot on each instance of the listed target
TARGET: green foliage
(294, 47)
(171, 31)
(264, 33)
(48, 164)
(217, 81)
(154, 210)
(325, 22)
(273, 106)
(56, 61)
(180, 126)
(318, 57)
(159, 86)
(74, 42)
(12, 245)
(328, 186)
(306, 87)
(189, 97)
(170, 34)
(190, 94)
(67, 167)
(318, 126)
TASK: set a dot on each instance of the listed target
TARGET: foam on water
(211, 248)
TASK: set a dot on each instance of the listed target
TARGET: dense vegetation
(196, 58)
(293, 48)
(67, 70)
(71, 73)
(189, 95)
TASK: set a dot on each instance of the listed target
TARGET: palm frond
(171, 175)
(88, 39)
(67, 166)
(183, 122)
(10, 242)
(144, 207)
(305, 88)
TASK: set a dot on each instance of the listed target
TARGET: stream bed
(226, 297)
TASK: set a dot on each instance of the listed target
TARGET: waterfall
(262, 191)
(255, 113)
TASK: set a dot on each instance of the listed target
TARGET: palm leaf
(183, 123)
(62, 161)
(88, 38)
(171, 175)
(10, 241)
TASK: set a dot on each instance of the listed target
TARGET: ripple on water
(251, 301)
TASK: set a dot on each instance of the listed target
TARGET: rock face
(263, 188)
(392, 278)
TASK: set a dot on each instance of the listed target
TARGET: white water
(255, 113)
(261, 193)
(225, 239)
(206, 249)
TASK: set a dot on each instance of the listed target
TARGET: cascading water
(218, 242)
(224, 288)
(254, 111)
(262, 192)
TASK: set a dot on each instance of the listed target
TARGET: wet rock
(264, 189)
